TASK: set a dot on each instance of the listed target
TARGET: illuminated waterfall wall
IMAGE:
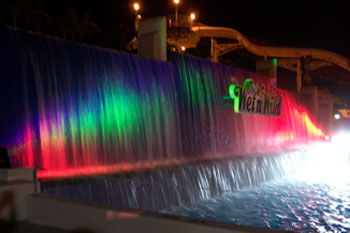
(69, 108)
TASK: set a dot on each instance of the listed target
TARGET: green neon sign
(253, 98)
(234, 94)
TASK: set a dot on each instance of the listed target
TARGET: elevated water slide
(294, 59)
(269, 51)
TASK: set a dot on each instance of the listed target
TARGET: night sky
(310, 24)
(291, 23)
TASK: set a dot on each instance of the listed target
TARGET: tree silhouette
(26, 14)
(75, 28)
(68, 24)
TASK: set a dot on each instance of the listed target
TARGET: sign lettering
(253, 98)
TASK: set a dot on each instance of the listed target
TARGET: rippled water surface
(289, 204)
(315, 199)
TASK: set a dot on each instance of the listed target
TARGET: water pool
(291, 204)
(295, 191)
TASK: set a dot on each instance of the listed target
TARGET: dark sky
(293, 23)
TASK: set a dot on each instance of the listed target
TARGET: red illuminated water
(80, 110)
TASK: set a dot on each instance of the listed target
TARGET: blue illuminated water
(288, 204)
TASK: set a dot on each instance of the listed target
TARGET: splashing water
(175, 186)
(271, 191)
(287, 204)
(313, 199)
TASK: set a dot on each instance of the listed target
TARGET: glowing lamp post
(136, 7)
(176, 3)
(137, 16)
(192, 18)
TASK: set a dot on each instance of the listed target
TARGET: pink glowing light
(99, 170)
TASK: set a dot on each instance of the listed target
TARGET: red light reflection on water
(99, 170)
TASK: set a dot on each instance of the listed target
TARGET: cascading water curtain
(213, 129)
(76, 108)
(84, 107)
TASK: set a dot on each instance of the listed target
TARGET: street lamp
(136, 7)
(176, 3)
(137, 16)
(192, 18)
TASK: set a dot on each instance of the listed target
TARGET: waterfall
(176, 186)
(78, 109)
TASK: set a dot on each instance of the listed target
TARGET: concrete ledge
(10, 174)
(13, 198)
(71, 214)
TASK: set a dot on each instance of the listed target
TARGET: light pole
(137, 16)
(136, 7)
(192, 18)
(176, 3)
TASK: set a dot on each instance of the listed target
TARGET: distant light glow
(176, 1)
(193, 16)
(274, 61)
(342, 139)
(328, 162)
(183, 48)
(136, 6)
(337, 116)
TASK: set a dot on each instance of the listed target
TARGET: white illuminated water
(315, 199)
